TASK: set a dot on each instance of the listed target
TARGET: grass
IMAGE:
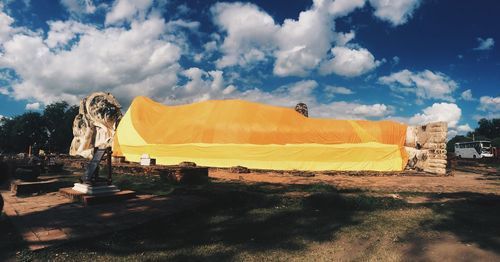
(151, 185)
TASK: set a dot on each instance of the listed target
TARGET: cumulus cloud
(137, 60)
(485, 44)
(201, 85)
(488, 103)
(79, 7)
(4, 91)
(5, 26)
(467, 95)
(331, 91)
(464, 128)
(250, 33)
(33, 106)
(298, 46)
(127, 10)
(396, 12)
(447, 112)
(349, 62)
(425, 84)
(303, 43)
(339, 8)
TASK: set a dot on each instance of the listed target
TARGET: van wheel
(459, 157)
(474, 156)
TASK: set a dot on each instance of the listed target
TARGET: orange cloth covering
(225, 133)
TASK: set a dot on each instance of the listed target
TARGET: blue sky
(414, 61)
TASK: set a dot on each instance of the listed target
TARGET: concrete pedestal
(93, 190)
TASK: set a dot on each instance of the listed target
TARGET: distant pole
(473, 137)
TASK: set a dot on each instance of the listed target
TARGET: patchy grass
(151, 185)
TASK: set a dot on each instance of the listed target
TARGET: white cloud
(5, 26)
(395, 60)
(488, 103)
(201, 85)
(464, 128)
(139, 60)
(249, 31)
(425, 84)
(33, 106)
(79, 7)
(349, 62)
(343, 38)
(180, 23)
(485, 44)
(447, 112)
(4, 91)
(340, 8)
(303, 43)
(452, 133)
(298, 45)
(127, 10)
(61, 33)
(467, 95)
(396, 12)
(333, 90)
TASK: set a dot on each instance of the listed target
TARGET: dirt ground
(467, 180)
(479, 178)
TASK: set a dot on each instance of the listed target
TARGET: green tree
(496, 142)
(488, 129)
(450, 146)
(59, 122)
(51, 131)
(25, 130)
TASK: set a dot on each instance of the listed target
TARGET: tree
(450, 146)
(496, 142)
(24, 131)
(52, 131)
(489, 129)
(59, 118)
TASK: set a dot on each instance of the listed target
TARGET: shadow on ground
(240, 218)
(473, 218)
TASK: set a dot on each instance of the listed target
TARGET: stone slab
(18, 187)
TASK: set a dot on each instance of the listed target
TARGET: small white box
(147, 161)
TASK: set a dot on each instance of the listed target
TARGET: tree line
(50, 130)
(488, 129)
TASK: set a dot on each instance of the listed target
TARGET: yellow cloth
(224, 133)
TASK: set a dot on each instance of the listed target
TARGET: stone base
(101, 198)
(94, 190)
(18, 187)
